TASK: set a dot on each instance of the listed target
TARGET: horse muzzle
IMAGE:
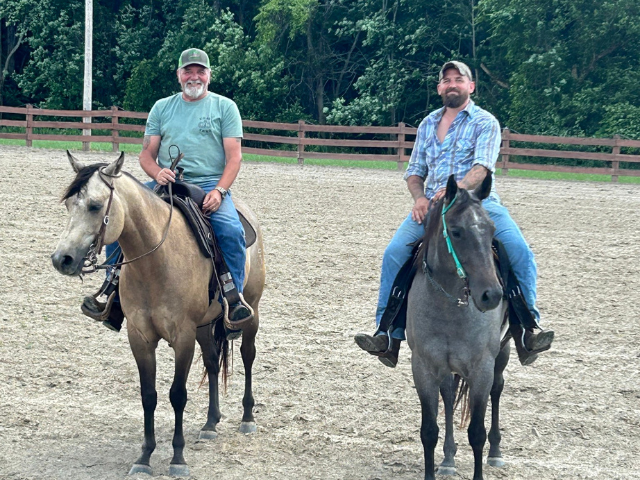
(67, 263)
(488, 300)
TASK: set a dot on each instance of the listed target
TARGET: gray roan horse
(448, 333)
(164, 295)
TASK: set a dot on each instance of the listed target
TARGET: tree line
(557, 67)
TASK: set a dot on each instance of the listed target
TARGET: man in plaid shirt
(458, 139)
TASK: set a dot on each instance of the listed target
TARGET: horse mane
(82, 178)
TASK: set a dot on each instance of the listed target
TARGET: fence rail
(394, 140)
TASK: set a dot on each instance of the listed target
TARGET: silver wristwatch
(223, 191)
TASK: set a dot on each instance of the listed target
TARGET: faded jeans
(520, 255)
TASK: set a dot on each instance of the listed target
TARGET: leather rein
(91, 260)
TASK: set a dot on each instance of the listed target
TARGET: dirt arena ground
(69, 398)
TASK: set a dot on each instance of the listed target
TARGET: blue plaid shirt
(473, 139)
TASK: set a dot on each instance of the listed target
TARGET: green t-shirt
(197, 128)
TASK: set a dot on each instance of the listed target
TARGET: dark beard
(455, 101)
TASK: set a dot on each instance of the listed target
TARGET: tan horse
(164, 295)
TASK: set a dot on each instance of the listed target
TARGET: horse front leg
(145, 356)
(183, 347)
(479, 388)
(427, 387)
(448, 391)
(211, 358)
(495, 456)
(248, 351)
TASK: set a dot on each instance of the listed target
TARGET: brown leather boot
(379, 345)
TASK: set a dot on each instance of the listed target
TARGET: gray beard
(193, 89)
(454, 101)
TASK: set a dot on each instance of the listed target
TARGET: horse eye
(456, 233)
(95, 207)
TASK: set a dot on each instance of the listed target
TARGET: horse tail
(222, 347)
(461, 395)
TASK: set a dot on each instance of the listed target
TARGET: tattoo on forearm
(474, 177)
(146, 142)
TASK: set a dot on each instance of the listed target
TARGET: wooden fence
(391, 141)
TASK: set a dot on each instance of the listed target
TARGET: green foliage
(541, 66)
(561, 64)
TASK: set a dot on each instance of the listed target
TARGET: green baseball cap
(193, 56)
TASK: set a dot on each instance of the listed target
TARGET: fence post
(505, 157)
(615, 165)
(115, 133)
(86, 146)
(29, 129)
(401, 139)
(300, 145)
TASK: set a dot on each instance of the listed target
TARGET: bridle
(463, 300)
(90, 264)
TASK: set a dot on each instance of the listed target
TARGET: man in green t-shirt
(207, 129)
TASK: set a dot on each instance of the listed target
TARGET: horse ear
(452, 189)
(114, 167)
(484, 189)
(75, 164)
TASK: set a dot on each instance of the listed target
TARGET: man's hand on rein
(165, 176)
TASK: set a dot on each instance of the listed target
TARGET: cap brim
(195, 63)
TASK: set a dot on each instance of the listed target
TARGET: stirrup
(96, 310)
(239, 324)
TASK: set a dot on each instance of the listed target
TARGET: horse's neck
(145, 217)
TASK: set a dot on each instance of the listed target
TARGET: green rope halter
(445, 233)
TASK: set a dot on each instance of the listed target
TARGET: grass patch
(135, 149)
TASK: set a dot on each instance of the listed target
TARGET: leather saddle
(188, 198)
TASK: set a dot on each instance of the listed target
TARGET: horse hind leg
(495, 456)
(183, 348)
(448, 391)
(248, 351)
(211, 359)
(145, 356)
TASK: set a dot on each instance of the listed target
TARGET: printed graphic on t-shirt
(205, 125)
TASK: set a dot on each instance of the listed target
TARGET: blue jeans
(520, 255)
(229, 234)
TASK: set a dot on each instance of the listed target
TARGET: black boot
(379, 345)
(530, 344)
(109, 313)
(240, 315)
(116, 317)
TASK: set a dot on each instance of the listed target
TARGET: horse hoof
(138, 468)
(495, 461)
(446, 470)
(176, 470)
(207, 435)
(248, 427)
